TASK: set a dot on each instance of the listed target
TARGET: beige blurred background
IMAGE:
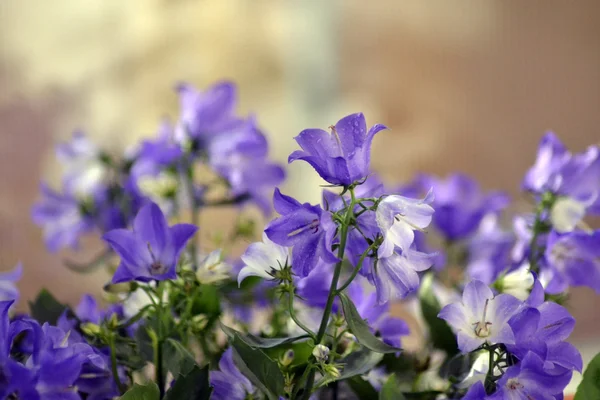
(463, 85)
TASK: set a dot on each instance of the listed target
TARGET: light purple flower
(151, 250)
(572, 259)
(528, 380)
(62, 219)
(396, 276)
(398, 217)
(543, 330)
(307, 228)
(342, 157)
(85, 172)
(489, 251)
(240, 157)
(545, 173)
(378, 317)
(481, 317)
(263, 259)
(460, 204)
(228, 382)
(8, 287)
(206, 114)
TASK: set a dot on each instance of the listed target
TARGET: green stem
(158, 364)
(333, 287)
(357, 268)
(113, 363)
(293, 313)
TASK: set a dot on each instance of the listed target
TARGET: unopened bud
(332, 371)
(287, 358)
(321, 353)
(90, 329)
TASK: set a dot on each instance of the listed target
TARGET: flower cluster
(309, 309)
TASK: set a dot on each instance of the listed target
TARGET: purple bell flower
(572, 259)
(206, 114)
(342, 157)
(8, 287)
(528, 380)
(396, 276)
(151, 250)
(62, 220)
(460, 205)
(229, 383)
(481, 317)
(307, 228)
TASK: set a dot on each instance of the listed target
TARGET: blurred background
(464, 86)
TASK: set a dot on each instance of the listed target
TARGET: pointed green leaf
(45, 308)
(356, 364)
(177, 358)
(362, 388)
(391, 390)
(193, 386)
(442, 336)
(258, 342)
(263, 372)
(589, 388)
(142, 392)
(361, 330)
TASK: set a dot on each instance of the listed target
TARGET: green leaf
(442, 336)
(208, 301)
(193, 386)
(589, 388)
(362, 388)
(361, 330)
(262, 371)
(142, 392)
(177, 358)
(357, 363)
(45, 308)
(258, 342)
(391, 390)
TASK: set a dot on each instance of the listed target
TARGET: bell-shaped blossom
(543, 330)
(229, 383)
(517, 282)
(213, 268)
(488, 251)
(576, 176)
(241, 157)
(207, 114)
(151, 250)
(307, 228)
(528, 380)
(342, 157)
(398, 217)
(8, 287)
(62, 219)
(378, 317)
(572, 259)
(460, 204)
(85, 171)
(551, 158)
(263, 259)
(481, 317)
(396, 276)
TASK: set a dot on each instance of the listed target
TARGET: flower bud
(90, 329)
(321, 353)
(566, 213)
(287, 358)
(332, 371)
